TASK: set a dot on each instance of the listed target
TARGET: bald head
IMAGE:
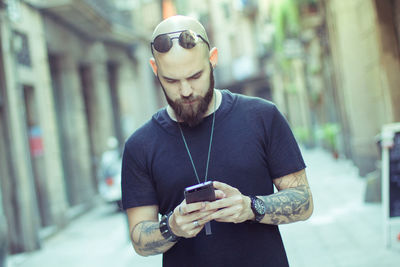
(177, 55)
(179, 23)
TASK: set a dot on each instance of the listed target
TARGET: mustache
(188, 99)
(191, 114)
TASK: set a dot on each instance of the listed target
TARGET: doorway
(35, 141)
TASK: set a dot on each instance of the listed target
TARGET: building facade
(365, 53)
(342, 86)
(74, 74)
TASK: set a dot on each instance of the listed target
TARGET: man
(243, 144)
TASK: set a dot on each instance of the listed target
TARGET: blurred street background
(344, 231)
(75, 82)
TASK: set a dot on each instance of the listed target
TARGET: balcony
(96, 19)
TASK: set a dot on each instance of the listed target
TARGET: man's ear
(153, 65)
(213, 56)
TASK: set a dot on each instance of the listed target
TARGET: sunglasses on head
(187, 39)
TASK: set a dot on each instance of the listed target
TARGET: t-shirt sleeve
(283, 153)
(136, 184)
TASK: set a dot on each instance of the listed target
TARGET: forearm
(288, 205)
(147, 239)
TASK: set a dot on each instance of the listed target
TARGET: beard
(192, 115)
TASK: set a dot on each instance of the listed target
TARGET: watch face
(259, 206)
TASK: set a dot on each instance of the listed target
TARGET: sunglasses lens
(187, 39)
(162, 43)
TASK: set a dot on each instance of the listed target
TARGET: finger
(184, 221)
(218, 204)
(223, 187)
(219, 185)
(196, 224)
(192, 228)
(236, 217)
(224, 214)
(192, 207)
(233, 200)
(232, 218)
(195, 231)
(181, 212)
(219, 194)
(197, 216)
(204, 220)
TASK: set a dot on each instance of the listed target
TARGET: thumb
(219, 194)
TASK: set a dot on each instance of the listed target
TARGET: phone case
(200, 192)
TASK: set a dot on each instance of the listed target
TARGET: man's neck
(216, 97)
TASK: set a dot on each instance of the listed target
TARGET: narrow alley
(344, 231)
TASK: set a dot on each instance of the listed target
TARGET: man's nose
(186, 89)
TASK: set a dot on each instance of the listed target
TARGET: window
(21, 47)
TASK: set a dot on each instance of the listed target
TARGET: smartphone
(200, 192)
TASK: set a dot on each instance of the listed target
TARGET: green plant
(302, 134)
(285, 17)
(330, 133)
(291, 88)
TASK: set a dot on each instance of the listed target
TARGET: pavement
(343, 231)
(98, 238)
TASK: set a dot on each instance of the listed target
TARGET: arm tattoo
(292, 203)
(299, 179)
(288, 205)
(147, 239)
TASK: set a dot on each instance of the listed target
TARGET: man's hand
(189, 219)
(234, 207)
(185, 221)
(292, 203)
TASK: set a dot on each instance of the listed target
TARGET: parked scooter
(109, 184)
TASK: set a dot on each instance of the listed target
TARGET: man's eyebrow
(196, 74)
(168, 78)
(190, 77)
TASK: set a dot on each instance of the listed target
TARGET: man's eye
(170, 81)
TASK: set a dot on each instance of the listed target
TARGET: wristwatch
(258, 208)
(165, 230)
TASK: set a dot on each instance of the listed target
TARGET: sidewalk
(343, 231)
(98, 238)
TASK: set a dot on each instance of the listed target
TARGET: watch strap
(258, 216)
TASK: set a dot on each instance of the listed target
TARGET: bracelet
(166, 231)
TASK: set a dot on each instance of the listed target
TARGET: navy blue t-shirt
(252, 145)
